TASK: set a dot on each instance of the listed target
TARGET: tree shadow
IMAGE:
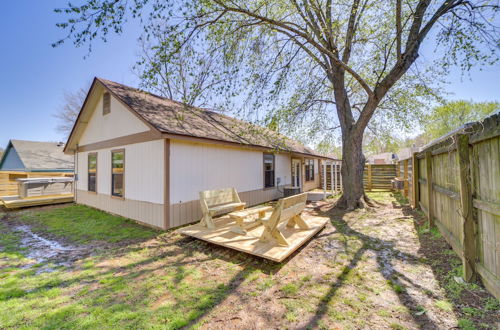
(386, 253)
(468, 299)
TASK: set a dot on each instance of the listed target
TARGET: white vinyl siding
(196, 167)
(119, 122)
(144, 171)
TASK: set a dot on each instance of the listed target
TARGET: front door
(296, 173)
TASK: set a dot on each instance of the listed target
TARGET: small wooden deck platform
(14, 202)
(249, 243)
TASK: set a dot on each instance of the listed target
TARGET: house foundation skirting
(151, 214)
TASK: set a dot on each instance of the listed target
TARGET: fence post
(466, 212)
(415, 177)
(369, 176)
(428, 166)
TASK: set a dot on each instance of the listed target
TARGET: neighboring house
(406, 153)
(383, 158)
(147, 158)
(34, 156)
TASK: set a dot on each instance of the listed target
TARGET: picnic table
(240, 217)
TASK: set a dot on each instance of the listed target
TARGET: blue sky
(34, 75)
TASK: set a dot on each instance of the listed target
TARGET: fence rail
(379, 176)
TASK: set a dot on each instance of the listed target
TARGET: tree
(190, 75)
(1, 152)
(323, 57)
(451, 115)
(68, 111)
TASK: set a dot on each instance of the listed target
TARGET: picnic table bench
(218, 201)
(288, 209)
(240, 216)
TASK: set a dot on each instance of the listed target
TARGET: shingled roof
(40, 156)
(168, 116)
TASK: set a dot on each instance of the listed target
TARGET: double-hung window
(268, 170)
(309, 168)
(92, 172)
(117, 172)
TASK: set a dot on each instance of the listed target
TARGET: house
(147, 158)
(383, 158)
(406, 153)
(23, 160)
(35, 156)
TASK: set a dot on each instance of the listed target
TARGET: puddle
(43, 250)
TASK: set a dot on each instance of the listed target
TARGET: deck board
(250, 243)
(14, 202)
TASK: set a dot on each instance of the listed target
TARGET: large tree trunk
(353, 163)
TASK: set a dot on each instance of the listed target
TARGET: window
(92, 172)
(268, 170)
(309, 169)
(106, 103)
(117, 172)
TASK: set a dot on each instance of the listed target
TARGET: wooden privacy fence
(457, 185)
(404, 172)
(379, 176)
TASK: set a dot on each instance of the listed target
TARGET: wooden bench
(218, 201)
(240, 216)
(288, 209)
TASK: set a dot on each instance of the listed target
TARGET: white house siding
(119, 122)
(197, 167)
(144, 182)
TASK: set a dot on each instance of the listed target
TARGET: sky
(34, 75)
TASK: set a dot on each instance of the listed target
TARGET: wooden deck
(14, 202)
(249, 243)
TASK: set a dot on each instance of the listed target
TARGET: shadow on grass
(471, 303)
(386, 253)
(168, 259)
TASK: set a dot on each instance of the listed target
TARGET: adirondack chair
(217, 201)
(288, 209)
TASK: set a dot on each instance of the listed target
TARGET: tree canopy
(451, 115)
(321, 65)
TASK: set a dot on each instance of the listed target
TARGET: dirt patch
(368, 269)
(42, 248)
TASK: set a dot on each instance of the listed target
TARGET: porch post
(324, 179)
(340, 170)
(334, 179)
(331, 176)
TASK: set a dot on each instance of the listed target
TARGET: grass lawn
(374, 269)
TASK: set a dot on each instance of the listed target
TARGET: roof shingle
(173, 117)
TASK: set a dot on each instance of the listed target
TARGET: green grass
(82, 224)
(118, 288)
(444, 305)
(466, 324)
(290, 289)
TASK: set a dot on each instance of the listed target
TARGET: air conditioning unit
(398, 184)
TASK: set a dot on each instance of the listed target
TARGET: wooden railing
(8, 183)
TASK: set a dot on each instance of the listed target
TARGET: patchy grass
(367, 269)
(444, 305)
(82, 224)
